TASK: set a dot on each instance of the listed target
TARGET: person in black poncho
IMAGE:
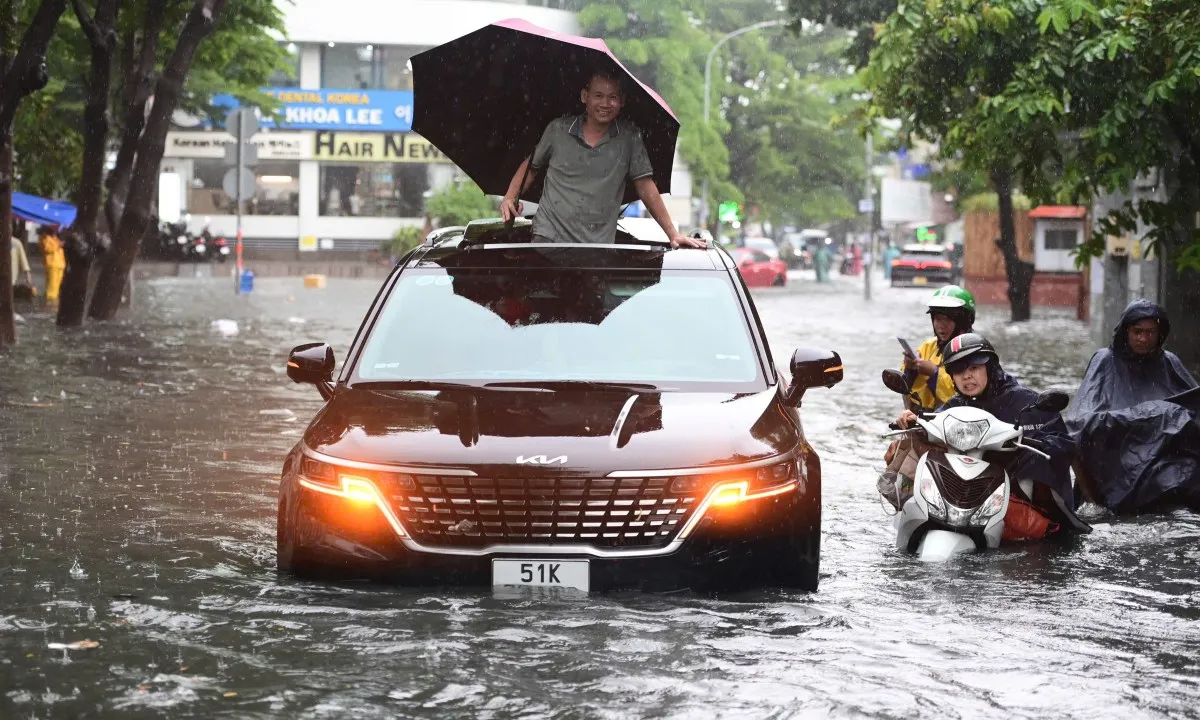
(1134, 418)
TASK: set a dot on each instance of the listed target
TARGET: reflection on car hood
(597, 431)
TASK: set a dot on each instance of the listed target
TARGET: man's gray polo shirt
(584, 185)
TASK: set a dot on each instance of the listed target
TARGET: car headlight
(929, 491)
(990, 507)
(964, 436)
(355, 487)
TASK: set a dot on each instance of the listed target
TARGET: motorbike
(960, 498)
(218, 246)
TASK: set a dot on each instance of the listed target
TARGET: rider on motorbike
(1046, 500)
(952, 313)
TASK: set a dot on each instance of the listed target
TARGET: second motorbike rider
(1043, 500)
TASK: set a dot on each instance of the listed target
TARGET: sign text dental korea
(378, 110)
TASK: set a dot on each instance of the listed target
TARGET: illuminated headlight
(929, 491)
(964, 436)
(354, 486)
(990, 507)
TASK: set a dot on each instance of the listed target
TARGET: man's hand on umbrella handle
(510, 209)
(683, 241)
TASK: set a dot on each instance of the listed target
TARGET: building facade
(340, 169)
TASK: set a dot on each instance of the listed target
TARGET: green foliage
(990, 202)
(771, 142)
(459, 204)
(404, 239)
(48, 150)
(1122, 79)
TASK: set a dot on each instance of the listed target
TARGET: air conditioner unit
(1118, 246)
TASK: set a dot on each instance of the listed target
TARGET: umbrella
(42, 211)
(485, 98)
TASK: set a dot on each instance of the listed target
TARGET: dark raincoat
(1007, 400)
(1135, 445)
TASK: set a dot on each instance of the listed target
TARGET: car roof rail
(445, 233)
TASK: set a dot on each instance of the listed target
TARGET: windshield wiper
(576, 385)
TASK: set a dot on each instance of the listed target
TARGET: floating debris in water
(227, 328)
(77, 571)
(77, 645)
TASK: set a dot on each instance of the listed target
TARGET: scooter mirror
(896, 382)
(1052, 401)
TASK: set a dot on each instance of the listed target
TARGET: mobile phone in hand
(908, 351)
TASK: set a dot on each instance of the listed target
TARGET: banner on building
(350, 110)
(375, 148)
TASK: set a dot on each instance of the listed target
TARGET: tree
(860, 16)
(22, 72)
(937, 68)
(770, 141)
(1121, 78)
(459, 204)
(246, 55)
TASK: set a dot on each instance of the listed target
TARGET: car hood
(595, 431)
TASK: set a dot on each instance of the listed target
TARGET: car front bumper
(728, 547)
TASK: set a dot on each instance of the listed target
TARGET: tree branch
(27, 74)
(90, 28)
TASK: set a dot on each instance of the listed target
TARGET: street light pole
(708, 92)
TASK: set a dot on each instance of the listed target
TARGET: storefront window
(379, 190)
(276, 191)
(366, 67)
(289, 75)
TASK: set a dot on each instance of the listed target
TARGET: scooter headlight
(990, 507)
(929, 491)
(964, 436)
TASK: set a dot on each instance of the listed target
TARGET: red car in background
(758, 269)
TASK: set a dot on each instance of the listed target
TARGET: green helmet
(954, 301)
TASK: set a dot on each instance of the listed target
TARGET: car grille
(474, 512)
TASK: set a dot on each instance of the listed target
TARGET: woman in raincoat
(55, 260)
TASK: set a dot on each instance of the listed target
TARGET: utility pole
(870, 208)
(704, 200)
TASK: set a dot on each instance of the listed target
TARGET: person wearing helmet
(1045, 485)
(952, 313)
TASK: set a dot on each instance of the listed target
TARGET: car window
(760, 256)
(616, 325)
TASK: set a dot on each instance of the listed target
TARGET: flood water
(138, 470)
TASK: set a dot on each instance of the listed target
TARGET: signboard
(905, 201)
(375, 147)
(866, 205)
(350, 110)
(211, 144)
(308, 243)
(728, 212)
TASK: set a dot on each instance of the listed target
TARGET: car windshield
(670, 328)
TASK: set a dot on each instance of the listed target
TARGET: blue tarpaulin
(42, 211)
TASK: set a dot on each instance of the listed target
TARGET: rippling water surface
(138, 468)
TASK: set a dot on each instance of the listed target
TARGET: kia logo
(541, 460)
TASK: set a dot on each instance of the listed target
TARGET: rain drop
(77, 571)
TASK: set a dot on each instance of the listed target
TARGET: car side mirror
(313, 363)
(895, 381)
(1052, 401)
(811, 368)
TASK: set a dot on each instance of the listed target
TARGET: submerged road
(138, 469)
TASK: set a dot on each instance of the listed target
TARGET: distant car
(758, 269)
(765, 245)
(796, 248)
(923, 265)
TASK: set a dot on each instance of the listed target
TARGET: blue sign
(349, 110)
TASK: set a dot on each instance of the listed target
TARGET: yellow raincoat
(932, 395)
(55, 260)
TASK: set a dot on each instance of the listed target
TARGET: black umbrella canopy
(485, 99)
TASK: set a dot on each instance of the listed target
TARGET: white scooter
(959, 499)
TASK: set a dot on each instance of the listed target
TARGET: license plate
(918, 280)
(541, 573)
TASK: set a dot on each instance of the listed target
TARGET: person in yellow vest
(55, 260)
(952, 313)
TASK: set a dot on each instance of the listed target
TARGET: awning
(42, 211)
(1059, 212)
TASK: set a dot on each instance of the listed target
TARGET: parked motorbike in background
(218, 245)
(960, 499)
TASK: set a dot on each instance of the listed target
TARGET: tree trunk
(1180, 295)
(1019, 272)
(73, 297)
(136, 216)
(8, 325)
(138, 86)
(20, 75)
